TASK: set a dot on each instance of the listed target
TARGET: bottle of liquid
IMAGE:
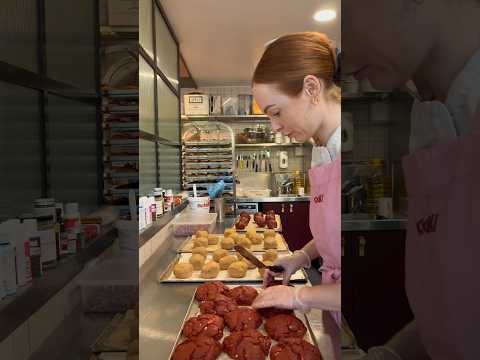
(45, 213)
(72, 227)
(31, 232)
(58, 228)
(297, 181)
(158, 194)
(7, 261)
(22, 251)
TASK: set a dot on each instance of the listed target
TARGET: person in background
(436, 44)
(294, 85)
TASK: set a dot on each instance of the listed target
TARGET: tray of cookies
(221, 324)
(258, 221)
(221, 265)
(252, 240)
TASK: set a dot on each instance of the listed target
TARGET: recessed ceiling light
(325, 15)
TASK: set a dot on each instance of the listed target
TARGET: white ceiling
(222, 40)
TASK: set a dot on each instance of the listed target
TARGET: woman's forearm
(311, 250)
(325, 297)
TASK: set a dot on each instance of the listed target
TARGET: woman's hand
(280, 296)
(290, 264)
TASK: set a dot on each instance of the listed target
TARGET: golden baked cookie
(261, 271)
(269, 232)
(226, 261)
(227, 243)
(210, 270)
(183, 270)
(270, 242)
(250, 265)
(219, 253)
(238, 269)
(197, 260)
(245, 242)
(200, 242)
(257, 239)
(200, 250)
(251, 232)
(201, 233)
(238, 237)
(229, 232)
(270, 255)
(212, 239)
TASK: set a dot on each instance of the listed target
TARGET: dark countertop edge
(305, 198)
(374, 225)
(30, 299)
(158, 225)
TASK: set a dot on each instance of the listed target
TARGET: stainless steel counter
(274, 199)
(163, 306)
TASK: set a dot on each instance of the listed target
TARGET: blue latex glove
(216, 190)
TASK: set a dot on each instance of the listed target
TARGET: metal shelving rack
(208, 155)
(120, 142)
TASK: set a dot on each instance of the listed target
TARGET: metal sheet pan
(193, 310)
(259, 229)
(187, 245)
(251, 276)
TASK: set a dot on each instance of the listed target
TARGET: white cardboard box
(196, 104)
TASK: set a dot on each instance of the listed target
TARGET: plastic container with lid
(188, 222)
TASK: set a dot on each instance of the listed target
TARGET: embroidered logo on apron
(427, 224)
(318, 199)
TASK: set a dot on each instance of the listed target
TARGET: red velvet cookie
(247, 345)
(204, 325)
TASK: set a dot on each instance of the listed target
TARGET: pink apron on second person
(325, 220)
(443, 246)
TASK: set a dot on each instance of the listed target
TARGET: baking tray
(193, 310)
(187, 245)
(259, 229)
(251, 276)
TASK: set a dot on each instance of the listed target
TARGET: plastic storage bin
(188, 223)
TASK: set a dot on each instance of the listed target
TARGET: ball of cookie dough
(219, 253)
(201, 233)
(212, 239)
(261, 271)
(200, 250)
(237, 237)
(270, 242)
(227, 243)
(238, 269)
(226, 261)
(250, 265)
(270, 255)
(251, 232)
(200, 242)
(197, 260)
(229, 232)
(183, 270)
(245, 242)
(210, 270)
(257, 239)
(269, 232)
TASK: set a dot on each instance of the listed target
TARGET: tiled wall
(386, 140)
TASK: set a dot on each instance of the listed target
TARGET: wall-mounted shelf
(375, 96)
(269, 145)
(226, 118)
